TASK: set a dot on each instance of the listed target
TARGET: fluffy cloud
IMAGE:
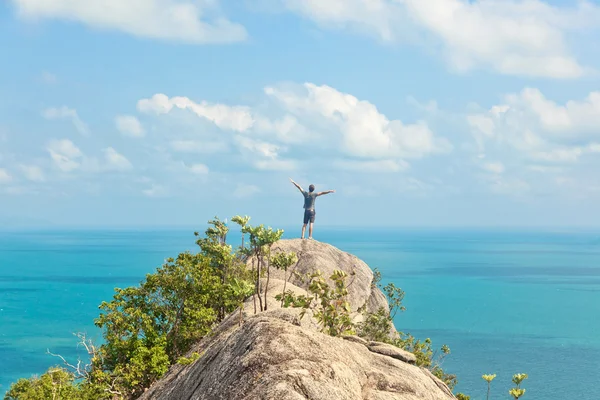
(535, 128)
(236, 118)
(66, 156)
(494, 167)
(32, 173)
(264, 155)
(364, 131)
(129, 125)
(5, 177)
(573, 118)
(515, 37)
(290, 119)
(176, 20)
(116, 161)
(199, 169)
(65, 112)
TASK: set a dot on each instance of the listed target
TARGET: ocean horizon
(504, 300)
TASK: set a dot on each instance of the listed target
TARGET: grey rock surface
(275, 359)
(314, 255)
(392, 351)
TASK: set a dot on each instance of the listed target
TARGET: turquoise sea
(505, 302)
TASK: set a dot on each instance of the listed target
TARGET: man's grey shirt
(309, 200)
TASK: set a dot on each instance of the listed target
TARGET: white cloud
(115, 160)
(196, 146)
(199, 169)
(293, 118)
(276, 165)
(129, 125)
(236, 118)
(494, 167)
(372, 166)
(68, 158)
(65, 112)
(243, 190)
(264, 155)
(530, 126)
(175, 20)
(5, 177)
(286, 129)
(33, 173)
(258, 147)
(65, 154)
(365, 132)
(515, 37)
(573, 117)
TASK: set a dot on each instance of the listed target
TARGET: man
(309, 206)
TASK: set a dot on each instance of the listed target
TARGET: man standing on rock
(309, 206)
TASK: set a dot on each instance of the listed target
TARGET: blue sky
(417, 112)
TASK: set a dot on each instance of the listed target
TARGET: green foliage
(188, 360)
(56, 383)
(149, 327)
(375, 326)
(462, 396)
(328, 303)
(261, 239)
(242, 222)
(378, 326)
(395, 296)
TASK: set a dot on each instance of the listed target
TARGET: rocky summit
(278, 355)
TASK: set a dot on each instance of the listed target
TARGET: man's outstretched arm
(326, 192)
(298, 186)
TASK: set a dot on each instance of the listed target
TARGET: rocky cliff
(276, 355)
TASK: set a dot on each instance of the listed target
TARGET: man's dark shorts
(309, 215)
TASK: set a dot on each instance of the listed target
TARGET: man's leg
(303, 230)
(312, 221)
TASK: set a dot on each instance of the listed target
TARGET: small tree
(329, 304)
(242, 222)
(282, 261)
(261, 240)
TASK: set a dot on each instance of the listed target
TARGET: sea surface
(505, 302)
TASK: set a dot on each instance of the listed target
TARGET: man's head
(311, 188)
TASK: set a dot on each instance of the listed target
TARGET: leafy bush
(149, 327)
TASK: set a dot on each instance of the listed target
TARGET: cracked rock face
(269, 358)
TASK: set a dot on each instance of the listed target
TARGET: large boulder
(314, 255)
(277, 355)
(271, 357)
